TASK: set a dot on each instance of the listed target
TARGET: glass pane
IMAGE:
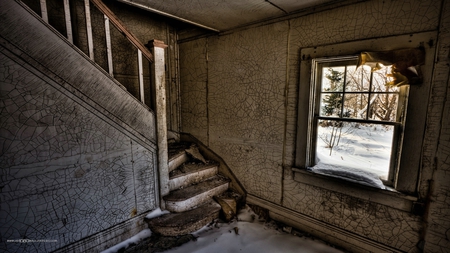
(332, 78)
(355, 106)
(330, 104)
(380, 78)
(358, 79)
(359, 146)
(383, 107)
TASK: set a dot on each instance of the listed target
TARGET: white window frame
(314, 108)
(405, 180)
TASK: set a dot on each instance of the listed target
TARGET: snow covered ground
(246, 234)
(363, 154)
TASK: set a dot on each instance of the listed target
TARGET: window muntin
(356, 120)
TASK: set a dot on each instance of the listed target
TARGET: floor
(248, 232)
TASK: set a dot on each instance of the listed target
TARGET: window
(335, 95)
(356, 120)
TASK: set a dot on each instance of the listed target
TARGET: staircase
(193, 182)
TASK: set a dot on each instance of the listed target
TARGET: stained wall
(240, 94)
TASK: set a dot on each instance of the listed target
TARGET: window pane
(355, 106)
(358, 79)
(333, 78)
(383, 107)
(361, 146)
(330, 104)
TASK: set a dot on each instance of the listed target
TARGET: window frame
(406, 178)
(314, 112)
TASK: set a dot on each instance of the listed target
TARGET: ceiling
(223, 15)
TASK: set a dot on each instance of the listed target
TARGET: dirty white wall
(239, 93)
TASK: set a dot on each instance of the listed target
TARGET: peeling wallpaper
(240, 95)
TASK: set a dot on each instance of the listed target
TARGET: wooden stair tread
(174, 224)
(189, 168)
(177, 149)
(194, 190)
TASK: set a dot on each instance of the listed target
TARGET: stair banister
(121, 27)
(159, 86)
(157, 72)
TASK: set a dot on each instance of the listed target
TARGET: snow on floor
(130, 241)
(137, 238)
(253, 236)
(246, 234)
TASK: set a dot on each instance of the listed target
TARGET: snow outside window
(355, 122)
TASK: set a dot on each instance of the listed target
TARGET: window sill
(388, 197)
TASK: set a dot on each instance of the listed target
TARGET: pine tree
(333, 101)
(332, 106)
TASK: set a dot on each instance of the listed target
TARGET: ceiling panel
(292, 6)
(222, 15)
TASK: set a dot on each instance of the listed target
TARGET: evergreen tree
(333, 101)
(332, 106)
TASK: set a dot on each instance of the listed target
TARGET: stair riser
(184, 205)
(192, 178)
(177, 161)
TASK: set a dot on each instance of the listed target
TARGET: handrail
(121, 27)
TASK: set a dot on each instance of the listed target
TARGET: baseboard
(107, 238)
(332, 234)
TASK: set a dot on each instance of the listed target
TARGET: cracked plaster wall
(74, 161)
(239, 94)
(436, 158)
(66, 174)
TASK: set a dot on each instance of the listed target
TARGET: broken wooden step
(175, 224)
(177, 155)
(194, 195)
(190, 173)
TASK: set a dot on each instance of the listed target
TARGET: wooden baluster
(44, 12)
(68, 21)
(89, 29)
(141, 76)
(108, 46)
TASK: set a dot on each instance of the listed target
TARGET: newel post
(159, 87)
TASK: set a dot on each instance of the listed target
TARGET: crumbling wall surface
(437, 148)
(75, 159)
(246, 89)
(66, 173)
(194, 78)
(248, 106)
(233, 101)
